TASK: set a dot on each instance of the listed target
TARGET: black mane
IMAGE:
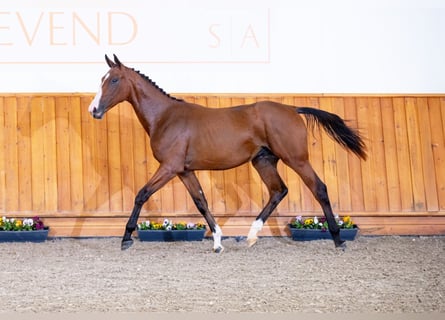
(156, 86)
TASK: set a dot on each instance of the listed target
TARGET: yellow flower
(18, 223)
(157, 226)
(308, 222)
(347, 221)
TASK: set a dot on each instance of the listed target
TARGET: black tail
(336, 128)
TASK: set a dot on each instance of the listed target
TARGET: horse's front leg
(159, 179)
(194, 188)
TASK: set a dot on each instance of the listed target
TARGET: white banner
(226, 46)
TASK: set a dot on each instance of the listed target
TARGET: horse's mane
(155, 85)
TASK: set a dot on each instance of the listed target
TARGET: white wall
(250, 46)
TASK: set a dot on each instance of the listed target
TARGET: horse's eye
(114, 80)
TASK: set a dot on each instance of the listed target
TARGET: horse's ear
(116, 60)
(109, 62)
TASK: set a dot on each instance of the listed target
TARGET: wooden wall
(81, 174)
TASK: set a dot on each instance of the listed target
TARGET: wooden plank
(99, 157)
(90, 156)
(11, 155)
(25, 162)
(126, 118)
(379, 174)
(390, 152)
(2, 158)
(233, 226)
(364, 122)
(114, 160)
(415, 149)
(63, 151)
(341, 162)
(437, 122)
(38, 156)
(429, 172)
(50, 152)
(76, 154)
(403, 154)
(354, 163)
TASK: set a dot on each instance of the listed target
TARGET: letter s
(212, 31)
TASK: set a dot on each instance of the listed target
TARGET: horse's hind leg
(194, 188)
(319, 190)
(265, 162)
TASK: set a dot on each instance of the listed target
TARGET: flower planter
(318, 234)
(171, 235)
(24, 236)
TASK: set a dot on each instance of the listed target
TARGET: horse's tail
(336, 128)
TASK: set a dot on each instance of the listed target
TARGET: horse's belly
(218, 159)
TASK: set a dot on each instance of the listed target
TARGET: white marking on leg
(256, 227)
(217, 239)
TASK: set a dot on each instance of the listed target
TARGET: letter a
(250, 36)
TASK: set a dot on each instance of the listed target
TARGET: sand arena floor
(374, 274)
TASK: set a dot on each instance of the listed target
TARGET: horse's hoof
(341, 245)
(218, 250)
(251, 241)
(126, 244)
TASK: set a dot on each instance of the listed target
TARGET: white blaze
(95, 103)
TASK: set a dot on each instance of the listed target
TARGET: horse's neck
(150, 105)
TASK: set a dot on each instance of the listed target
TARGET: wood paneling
(81, 175)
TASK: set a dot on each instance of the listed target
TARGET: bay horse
(186, 137)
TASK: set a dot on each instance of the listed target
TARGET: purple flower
(38, 224)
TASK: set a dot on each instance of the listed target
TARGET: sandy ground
(374, 274)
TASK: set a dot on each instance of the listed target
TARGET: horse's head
(115, 88)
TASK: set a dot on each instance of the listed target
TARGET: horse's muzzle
(97, 114)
